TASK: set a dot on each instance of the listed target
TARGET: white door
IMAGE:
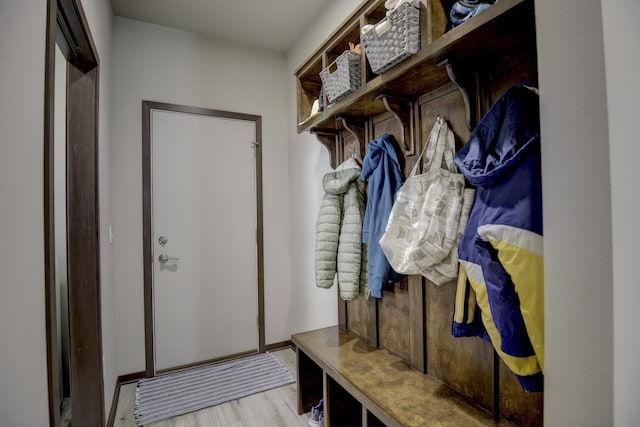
(204, 221)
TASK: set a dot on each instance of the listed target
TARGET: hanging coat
(383, 170)
(339, 246)
(501, 250)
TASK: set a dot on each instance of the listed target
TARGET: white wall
(309, 307)
(23, 374)
(22, 315)
(162, 64)
(589, 63)
(577, 214)
(622, 60)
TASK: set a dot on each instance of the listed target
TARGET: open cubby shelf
(491, 34)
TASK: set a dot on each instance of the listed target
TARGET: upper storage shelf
(490, 35)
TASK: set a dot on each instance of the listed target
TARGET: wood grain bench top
(386, 385)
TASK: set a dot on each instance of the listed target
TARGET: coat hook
(402, 111)
(355, 127)
(448, 66)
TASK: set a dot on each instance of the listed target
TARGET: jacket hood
(504, 135)
(384, 144)
(338, 182)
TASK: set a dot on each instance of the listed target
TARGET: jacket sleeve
(385, 189)
(327, 235)
(464, 319)
(520, 253)
(364, 262)
(501, 317)
(350, 244)
(504, 304)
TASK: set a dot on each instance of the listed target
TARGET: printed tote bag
(447, 269)
(424, 225)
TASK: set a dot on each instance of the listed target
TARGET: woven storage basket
(346, 78)
(393, 39)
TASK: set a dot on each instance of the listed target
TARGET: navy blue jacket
(501, 250)
(383, 169)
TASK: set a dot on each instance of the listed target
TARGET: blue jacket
(383, 169)
(501, 250)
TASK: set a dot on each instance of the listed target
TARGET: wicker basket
(393, 39)
(346, 78)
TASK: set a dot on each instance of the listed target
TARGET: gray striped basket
(398, 41)
(346, 78)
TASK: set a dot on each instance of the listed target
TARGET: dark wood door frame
(147, 108)
(67, 26)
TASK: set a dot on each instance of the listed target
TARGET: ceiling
(269, 24)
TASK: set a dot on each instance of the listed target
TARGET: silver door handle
(164, 258)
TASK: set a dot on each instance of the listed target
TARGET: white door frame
(147, 108)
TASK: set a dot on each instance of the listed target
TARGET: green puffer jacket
(339, 246)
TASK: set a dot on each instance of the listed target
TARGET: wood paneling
(524, 409)
(393, 309)
(447, 103)
(386, 123)
(437, 14)
(342, 312)
(417, 323)
(351, 145)
(357, 319)
(373, 331)
(519, 67)
(466, 364)
(393, 320)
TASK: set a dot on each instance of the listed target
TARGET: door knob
(164, 258)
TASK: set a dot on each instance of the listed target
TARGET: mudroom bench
(366, 386)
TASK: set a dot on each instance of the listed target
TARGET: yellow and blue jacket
(500, 294)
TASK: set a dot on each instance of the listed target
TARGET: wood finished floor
(272, 408)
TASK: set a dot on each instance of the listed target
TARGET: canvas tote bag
(447, 269)
(424, 223)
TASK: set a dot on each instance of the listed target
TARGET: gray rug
(186, 391)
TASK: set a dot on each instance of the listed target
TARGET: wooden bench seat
(366, 386)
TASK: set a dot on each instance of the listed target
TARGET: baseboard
(122, 379)
(129, 378)
(278, 345)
